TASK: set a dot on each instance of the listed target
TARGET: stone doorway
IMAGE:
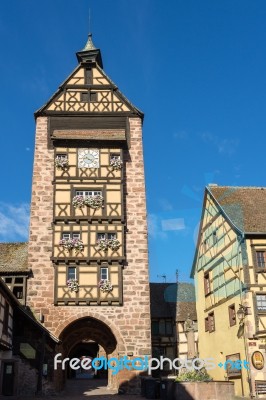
(90, 338)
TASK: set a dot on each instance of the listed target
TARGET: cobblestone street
(80, 389)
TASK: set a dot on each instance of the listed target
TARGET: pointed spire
(89, 45)
(90, 53)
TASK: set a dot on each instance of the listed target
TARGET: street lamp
(242, 312)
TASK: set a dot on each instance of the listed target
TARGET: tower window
(103, 235)
(70, 235)
(115, 156)
(72, 273)
(86, 193)
(87, 97)
(104, 273)
(88, 76)
(93, 97)
(61, 156)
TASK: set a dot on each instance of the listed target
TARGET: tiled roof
(90, 134)
(245, 206)
(13, 257)
(171, 299)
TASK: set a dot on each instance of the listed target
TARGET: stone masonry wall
(130, 323)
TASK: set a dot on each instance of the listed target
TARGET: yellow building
(230, 279)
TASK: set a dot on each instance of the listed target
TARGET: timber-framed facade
(88, 231)
(229, 270)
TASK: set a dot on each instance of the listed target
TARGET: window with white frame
(70, 235)
(72, 273)
(61, 156)
(115, 156)
(103, 235)
(104, 273)
(86, 193)
(261, 302)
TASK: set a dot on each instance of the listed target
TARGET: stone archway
(89, 330)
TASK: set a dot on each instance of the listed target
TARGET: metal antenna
(89, 20)
(162, 276)
(176, 275)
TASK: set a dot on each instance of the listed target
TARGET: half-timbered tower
(88, 230)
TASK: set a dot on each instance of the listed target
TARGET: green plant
(193, 376)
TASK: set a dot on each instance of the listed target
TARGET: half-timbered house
(230, 278)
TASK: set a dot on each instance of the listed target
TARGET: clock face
(88, 158)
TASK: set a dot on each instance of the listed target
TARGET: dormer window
(17, 285)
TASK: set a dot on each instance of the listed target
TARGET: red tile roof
(245, 206)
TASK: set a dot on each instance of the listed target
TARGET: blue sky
(196, 68)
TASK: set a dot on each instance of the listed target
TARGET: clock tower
(88, 228)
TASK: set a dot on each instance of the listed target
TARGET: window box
(71, 243)
(94, 201)
(107, 241)
(116, 163)
(102, 244)
(61, 161)
(73, 285)
(105, 285)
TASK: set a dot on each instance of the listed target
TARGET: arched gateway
(91, 338)
(88, 229)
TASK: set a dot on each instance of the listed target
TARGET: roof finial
(89, 45)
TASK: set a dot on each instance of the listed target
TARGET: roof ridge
(14, 243)
(237, 187)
